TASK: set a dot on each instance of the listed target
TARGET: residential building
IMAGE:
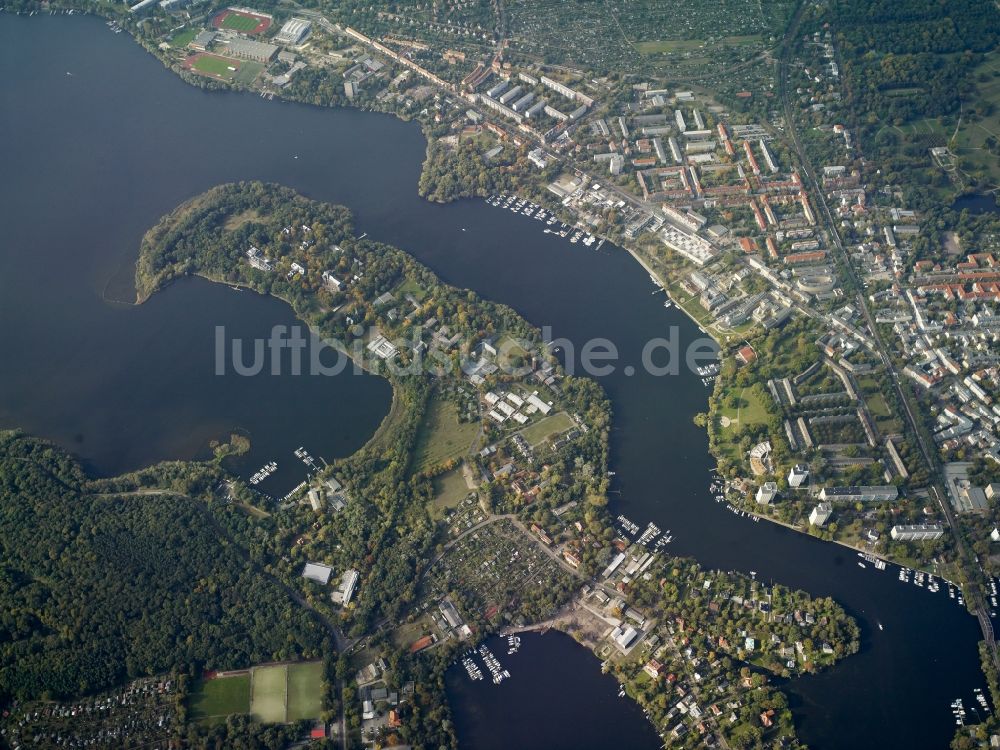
(820, 514)
(798, 475)
(862, 494)
(766, 493)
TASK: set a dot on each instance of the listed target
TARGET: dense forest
(96, 588)
(907, 60)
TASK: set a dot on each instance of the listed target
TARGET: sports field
(271, 694)
(216, 699)
(268, 694)
(241, 21)
(213, 66)
(305, 697)
(549, 427)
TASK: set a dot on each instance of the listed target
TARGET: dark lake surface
(977, 203)
(568, 688)
(91, 160)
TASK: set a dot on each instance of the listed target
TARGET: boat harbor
(551, 223)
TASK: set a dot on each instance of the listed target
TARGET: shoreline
(388, 421)
(430, 140)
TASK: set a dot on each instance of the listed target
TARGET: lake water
(572, 707)
(977, 203)
(92, 159)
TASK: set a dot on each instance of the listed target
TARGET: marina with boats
(498, 673)
(551, 222)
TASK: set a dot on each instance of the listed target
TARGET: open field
(248, 72)
(552, 425)
(268, 694)
(213, 66)
(442, 437)
(245, 23)
(877, 406)
(449, 490)
(411, 287)
(221, 697)
(305, 694)
(183, 38)
(235, 221)
(751, 410)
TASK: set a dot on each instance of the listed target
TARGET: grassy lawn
(235, 221)
(248, 72)
(267, 697)
(216, 66)
(449, 490)
(220, 697)
(237, 22)
(404, 636)
(552, 425)
(889, 426)
(510, 352)
(305, 691)
(442, 437)
(877, 406)
(751, 411)
(411, 287)
(183, 38)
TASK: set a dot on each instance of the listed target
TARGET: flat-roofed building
(820, 514)
(317, 572)
(450, 614)
(767, 492)
(919, 532)
(248, 49)
(798, 475)
(348, 585)
(861, 494)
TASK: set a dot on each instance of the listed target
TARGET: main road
(968, 561)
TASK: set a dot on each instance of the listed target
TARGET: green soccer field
(237, 22)
(305, 691)
(221, 697)
(267, 694)
(216, 66)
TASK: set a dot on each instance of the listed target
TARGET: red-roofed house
(746, 354)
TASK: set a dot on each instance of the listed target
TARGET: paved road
(966, 558)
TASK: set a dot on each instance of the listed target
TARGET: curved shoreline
(392, 414)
